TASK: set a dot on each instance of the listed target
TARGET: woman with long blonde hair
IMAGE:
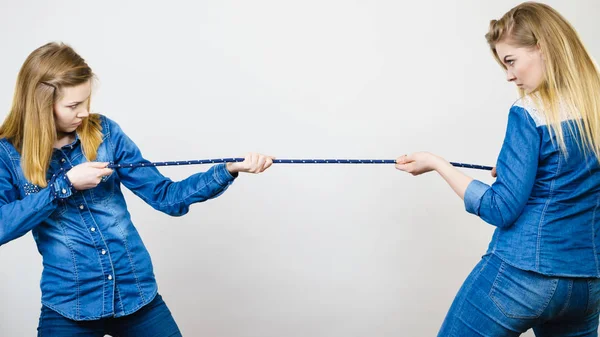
(97, 275)
(542, 267)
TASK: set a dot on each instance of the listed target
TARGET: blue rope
(282, 161)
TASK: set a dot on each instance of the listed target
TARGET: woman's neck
(63, 139)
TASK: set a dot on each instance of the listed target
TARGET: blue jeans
(500, 300)
(152, 320)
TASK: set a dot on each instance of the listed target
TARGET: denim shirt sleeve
(501, 203)
(158, 191)
(17, 217)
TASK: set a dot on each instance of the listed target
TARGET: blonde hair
(571, 84)
(30, 124)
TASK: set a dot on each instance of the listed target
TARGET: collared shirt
(95, 264)
(544, 203)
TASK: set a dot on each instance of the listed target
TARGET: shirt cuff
(60, 185)
(222, 175)
(473, 196)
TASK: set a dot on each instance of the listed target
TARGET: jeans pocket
(522, 294)
(104, 190)
(593, 296)
(60, 210)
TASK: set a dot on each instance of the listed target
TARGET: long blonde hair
(571, 84)
(30, 124)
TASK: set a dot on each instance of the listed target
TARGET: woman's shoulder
(533, 105)
(7, 152)
(6, 148)
(528, 105)
(106, 124)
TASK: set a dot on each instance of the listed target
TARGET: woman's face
(72, 107)
(524, 66)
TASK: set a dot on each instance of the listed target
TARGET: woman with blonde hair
(97, 275)
(542, 267)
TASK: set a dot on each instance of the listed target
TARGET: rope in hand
(281, 161)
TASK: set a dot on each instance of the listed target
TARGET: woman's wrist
(231, 168)
(439, 163)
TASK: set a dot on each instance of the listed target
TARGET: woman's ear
(539, 49)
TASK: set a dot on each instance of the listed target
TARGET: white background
(314, 250)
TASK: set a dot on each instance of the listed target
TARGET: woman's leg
(153, 320)
(500, 300)
(52, 324)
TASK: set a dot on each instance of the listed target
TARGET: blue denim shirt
(95, 264)
(544, 203)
